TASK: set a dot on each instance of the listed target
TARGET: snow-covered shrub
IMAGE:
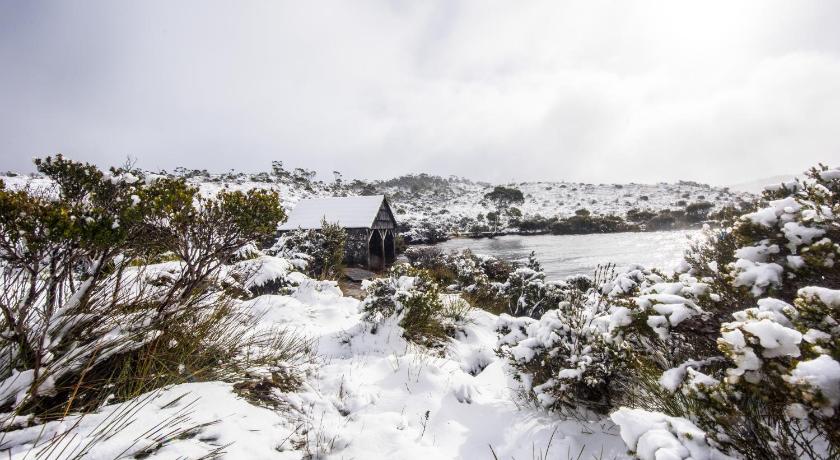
(792, 242)
(415, 300)
(425, 256)
(528, 293)
(492, 284)
(425, 232)
(754, 359)
(81, 309)
(437, 263)
(656, 436)
(463, 269)
(658, 315)
(495, 269)
(265, 275)
(735, 354)
(323, 249)
(477, 278)
(566, 359)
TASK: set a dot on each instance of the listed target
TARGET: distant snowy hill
(458, 201)
(453, 205)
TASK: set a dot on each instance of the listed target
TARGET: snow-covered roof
(347, 211)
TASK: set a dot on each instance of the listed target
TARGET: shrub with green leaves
(741, 345)
(478, 279)
(755, 360)
(82, 305)
(414, 300)
(567, 359)
(461, 269)
(528, 293)
(493, 284)
(323, 249)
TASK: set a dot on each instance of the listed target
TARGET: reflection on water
(564, 255)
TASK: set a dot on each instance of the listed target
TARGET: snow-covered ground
(373, 396)
(379, 397)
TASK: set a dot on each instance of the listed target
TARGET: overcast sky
(597, 91)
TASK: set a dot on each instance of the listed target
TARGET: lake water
(564, 255)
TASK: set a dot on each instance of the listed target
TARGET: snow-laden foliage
(743, 341)
(478, 279)
(529, 294)
(782, 346)
(264, 274)
(495, 285)
(322, 249)
(578, 354)
(757, 368)
(114, 283)
(413, 298)
(459, 270)
(656, 436)
(566, 359)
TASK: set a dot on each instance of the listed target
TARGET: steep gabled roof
(347, 211)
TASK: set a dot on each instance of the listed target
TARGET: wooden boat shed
(369, 221)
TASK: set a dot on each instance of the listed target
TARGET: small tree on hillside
(493, 220)
(503, 198)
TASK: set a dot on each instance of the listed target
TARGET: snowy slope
(374, 396)
(374, 391)
(461, 201)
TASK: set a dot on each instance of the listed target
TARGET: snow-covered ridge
(453, 204)
(560, 199)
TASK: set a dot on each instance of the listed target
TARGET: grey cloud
(582, 90)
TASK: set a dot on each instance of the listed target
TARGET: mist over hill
(758, 185)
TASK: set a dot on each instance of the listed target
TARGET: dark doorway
(376, 252)
(390, 250)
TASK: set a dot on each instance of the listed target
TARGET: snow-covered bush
(323, 249)
(263, 274)
(414, 299)
(426, 232)
(479, 279)
(792, 242)
(492, 284)
(528, 293)
(425, 256)
(753, 360)
(738, 353)
(567, 359)
(656, 436)
(660, 316)
(84, 315)
(461, 268)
